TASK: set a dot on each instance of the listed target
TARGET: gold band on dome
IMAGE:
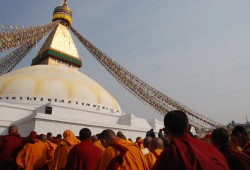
(62, 16)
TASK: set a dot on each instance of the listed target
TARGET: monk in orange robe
(97, 142)
(139, 142)
(146, 143)
(62, 150)
(155, 148)
(186, 152)
(119, 154)
(32, 155)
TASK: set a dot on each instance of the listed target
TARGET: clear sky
(196, 52)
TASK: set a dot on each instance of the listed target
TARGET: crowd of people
(175, 148)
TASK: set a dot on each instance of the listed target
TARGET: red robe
(9, 147)
(192, 154)
(246, 148)
(236, 159)
(83, 156)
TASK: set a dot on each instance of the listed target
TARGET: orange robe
(51, 147)
(62, 150)
(50, 152)
(151, 157)
(122, 155)
(140, 144)
(99, 145)
(32, 156)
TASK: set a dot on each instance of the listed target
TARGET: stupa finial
(65, 3)
(63, 13)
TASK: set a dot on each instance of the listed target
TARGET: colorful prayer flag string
(15, 36)
(148, 94)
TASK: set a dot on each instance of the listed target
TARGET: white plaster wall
(57, 127)
(71, 116)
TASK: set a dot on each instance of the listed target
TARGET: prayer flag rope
(9, 62)
(148, 94)
(15, 36)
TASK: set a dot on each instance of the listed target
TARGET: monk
(62, 150)
(156, 147)
(49, 136)
(139, 142)
(57, 139)
(32, 155)
(236, 160)
(146, 143)
(97, 142)
(9, 146)
(186, 152)
(241, 138)
(84, 155)
(120, 154)
(150, 133)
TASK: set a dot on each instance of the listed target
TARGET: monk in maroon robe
(186, 152)
(84, 155)
(236, 160)
(9, 147)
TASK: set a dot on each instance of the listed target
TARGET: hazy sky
(196, 52)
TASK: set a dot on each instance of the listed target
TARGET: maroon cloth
(9, 148)
(30, 139)
(192, 154)
(83, 156)
(236, 160)
(246, 149)
(57, 141)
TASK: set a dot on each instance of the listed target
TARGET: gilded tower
(59, 48)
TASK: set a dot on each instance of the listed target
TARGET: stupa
(53, 96)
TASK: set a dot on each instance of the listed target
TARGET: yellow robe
(32, 156)
(133, 158)
(140, 144)
(152, 157)
(51, 147)
(61, 154)
(50, 152)
(99, 145)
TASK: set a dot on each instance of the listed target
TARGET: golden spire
(63, 14)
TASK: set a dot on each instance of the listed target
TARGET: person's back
(155, 147)
(32, 156)
(132, 158)
(62, 150)
(9, 147)
(186, 152)
(236, 160)
(120, 154)
(84, 155)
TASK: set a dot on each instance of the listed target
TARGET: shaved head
(138, 139)
(146, 142)
(13, 128)
(107, 136)
(94, 138)
(156, 143)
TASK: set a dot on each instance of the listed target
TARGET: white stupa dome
(55, 82)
